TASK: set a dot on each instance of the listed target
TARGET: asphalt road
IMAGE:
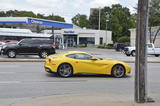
(26, 80)
(102, 53)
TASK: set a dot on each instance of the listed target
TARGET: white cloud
(104, 2)
(57, 4)
(66, 8)
(7, 4)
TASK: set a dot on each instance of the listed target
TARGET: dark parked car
(120, 46)
(42, 47)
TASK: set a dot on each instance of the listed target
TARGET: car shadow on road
(85, 76)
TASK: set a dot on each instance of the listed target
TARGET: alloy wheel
(118, 71)
(65, 70)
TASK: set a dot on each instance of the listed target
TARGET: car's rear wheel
(118, 71)
(11, 54)
(43, 54)
(65, 70)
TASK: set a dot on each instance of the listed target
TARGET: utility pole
(53, 34)
(141, 59)
(99, 23)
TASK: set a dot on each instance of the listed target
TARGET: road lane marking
(7, 72)
(10, 66)
(9, 82)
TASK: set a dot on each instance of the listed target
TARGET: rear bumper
(50, 67)
(48, 70)
(52, 51)
(3, 52)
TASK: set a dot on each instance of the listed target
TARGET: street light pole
(141, 64)
(99, 23)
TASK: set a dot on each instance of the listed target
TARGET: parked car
(151, 50)
(1, 44)
(120, 46)
(42, 47)
(67, 64)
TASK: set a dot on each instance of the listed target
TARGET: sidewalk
(78, 100)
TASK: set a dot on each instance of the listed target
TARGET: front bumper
(128, 70)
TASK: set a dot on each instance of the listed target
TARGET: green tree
(25, 14)
(120, 21)
(116, 18)
(81, 21)
(55, 18)
(16, 13)
(94, 19)
(2, 14)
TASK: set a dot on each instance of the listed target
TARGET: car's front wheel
(65, 70)
(118, 71)
(127, 54)
(156, 55)
(11, 53)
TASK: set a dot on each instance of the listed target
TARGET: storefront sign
(36, 21)
(69, 32)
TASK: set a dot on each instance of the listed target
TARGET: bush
(101, 46)
(123, 39)
(109, 46)
(82, 45)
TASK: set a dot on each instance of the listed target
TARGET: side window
(36, 42)
(83, 56)
(47, 42)
(71, 56)
(149, 45)
(24, 42)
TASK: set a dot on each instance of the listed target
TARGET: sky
(64, 8)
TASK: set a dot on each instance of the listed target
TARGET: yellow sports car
(74, 62)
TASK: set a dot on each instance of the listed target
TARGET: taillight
(49, 60)
(53, 46)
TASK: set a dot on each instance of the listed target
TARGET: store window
(86, 40)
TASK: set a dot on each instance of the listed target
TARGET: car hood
(10, 45)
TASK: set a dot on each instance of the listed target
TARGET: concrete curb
(22, 60)
(43, 60)
(80, 100)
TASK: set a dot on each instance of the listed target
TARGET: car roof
(36, 39)
(74, 52)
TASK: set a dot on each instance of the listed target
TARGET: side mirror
(20, 44)
(94, 59)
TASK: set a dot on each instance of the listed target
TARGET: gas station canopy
(35, 21)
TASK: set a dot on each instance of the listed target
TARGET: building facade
(152, 32)
(74, 37)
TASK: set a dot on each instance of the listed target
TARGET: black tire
(65, 70)
(127, 54)
(118, 71)
(43, 54)
(133, 53)
(11, 53)
(156, 55)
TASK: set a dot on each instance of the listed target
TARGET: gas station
(65, 34)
